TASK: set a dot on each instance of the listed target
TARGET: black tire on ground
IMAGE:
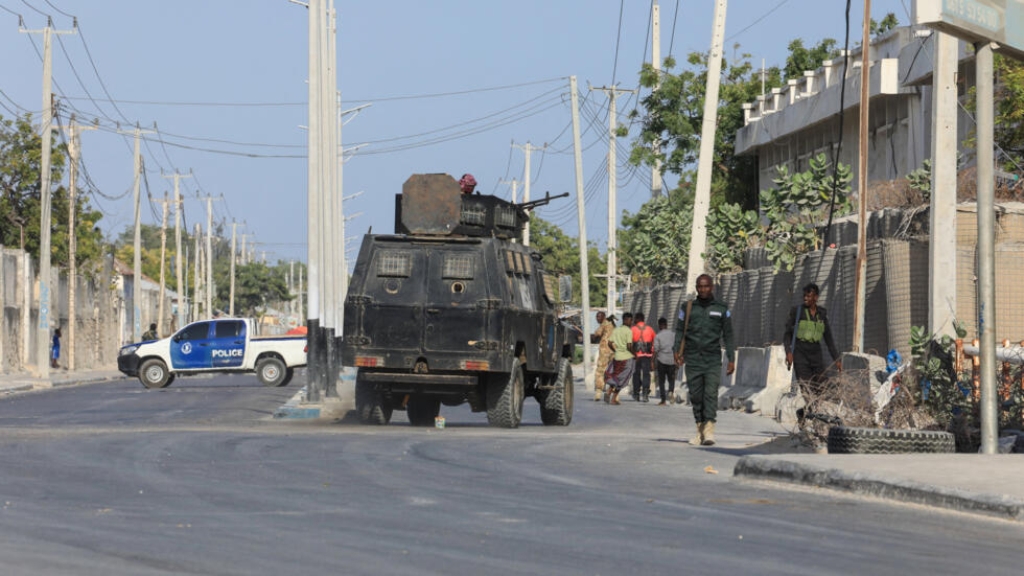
(505, 398)
(270, 371)
(556, 405)
(288, 374)
(153, 374)
(846, 440)
(422, 409)
(170, 380)
(370, 404)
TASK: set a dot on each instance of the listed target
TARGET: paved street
(197, 478)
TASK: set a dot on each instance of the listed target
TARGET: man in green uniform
(601, 337)
(698, 346)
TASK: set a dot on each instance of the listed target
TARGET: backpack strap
(686, 325)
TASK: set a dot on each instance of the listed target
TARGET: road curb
(776, 469)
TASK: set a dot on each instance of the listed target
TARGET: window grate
(505, 216)
(474, 214)
(459, 266)
(394, 264)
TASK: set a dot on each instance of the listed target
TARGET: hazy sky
(453, 84)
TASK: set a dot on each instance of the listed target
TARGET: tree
(655, 242)
(731, 230)
(257, 286)
(149, 239)
(801, 59)
(561, 256)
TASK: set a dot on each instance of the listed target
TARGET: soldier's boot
(699, 438)
(709, 433)
(598, 394)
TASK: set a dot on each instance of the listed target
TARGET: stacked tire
(848, 440)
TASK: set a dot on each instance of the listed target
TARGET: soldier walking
(601, 337)
(703, 325)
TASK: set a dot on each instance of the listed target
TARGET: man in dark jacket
(708, 328)
(806, 327)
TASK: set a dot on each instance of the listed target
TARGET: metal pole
(702, 198)
(581, 218)
(137, 246)
(862, 182)
(986, 248)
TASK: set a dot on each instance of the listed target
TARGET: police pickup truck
(227, 345)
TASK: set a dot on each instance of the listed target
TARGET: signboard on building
(999, 21)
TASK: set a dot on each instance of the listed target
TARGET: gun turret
(542, 202)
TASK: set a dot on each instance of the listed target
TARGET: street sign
(999, 21)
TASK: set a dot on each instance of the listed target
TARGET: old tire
(271, 372)
(153, 374)
(422, 409)
(556, 404)
(370, 404)
(845, 440)
(289, 373)
(505, 398)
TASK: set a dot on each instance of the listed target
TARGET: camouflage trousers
(602, 364)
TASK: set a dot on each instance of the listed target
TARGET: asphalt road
(114, 479)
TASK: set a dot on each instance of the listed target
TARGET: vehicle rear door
(396, 284)
(455, 285)
(190, 348)
(228, 344)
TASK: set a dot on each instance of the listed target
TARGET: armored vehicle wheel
(270, 372)
(422, 409)
(153, 374)
(556, 404)
(505, 398)
(370, 404)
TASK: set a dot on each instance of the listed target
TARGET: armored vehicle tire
(271, 372)
(153, 374)
(845, 440)
(370, 404)
(556, 404)
(505, 398)
(422, 409)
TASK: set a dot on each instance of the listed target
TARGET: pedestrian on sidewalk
(643, 350)
(150, 334)
(620, 369)
(703, 325)
(601, 337)
(665, 361)
(806, 327)
(55, 349)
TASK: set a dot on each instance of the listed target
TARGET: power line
(618, 39)
(758, 21)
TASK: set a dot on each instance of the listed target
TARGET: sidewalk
(25, 381)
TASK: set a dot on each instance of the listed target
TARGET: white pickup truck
(226, 345)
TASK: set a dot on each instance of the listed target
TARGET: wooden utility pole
(613, 268)
(179, 271)
(862, 182)
(73, 155)
(702, 197)
(45, 200)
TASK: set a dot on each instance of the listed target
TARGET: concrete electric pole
(862, 182)
(137, 245)
(581, 218)
(182, 290)
(702, 199)
(613, 269)
(45, 200)
(656, 183)
(527, 149)
(73, 155)
(165, 205)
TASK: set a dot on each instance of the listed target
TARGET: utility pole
(527, 148)
(942, 244)
(182, 290)
(137, 245)
(314, 202)
(231, 299)
(209, 254)
(656, 183)
(986, 247)
(613, 269)
(163, 264)
(196, 299)
(581, 217)
(862, 182)
(73, 155)
(45, 199)
(702, 199)
(514, 184)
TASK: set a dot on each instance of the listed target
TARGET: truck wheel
(556, 404)
(153, 374)
(845, 440)
(422, 409)
(270, 371)
(505, 398)
(370, 404)
(288, 373)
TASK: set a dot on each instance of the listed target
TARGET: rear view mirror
(565, 288)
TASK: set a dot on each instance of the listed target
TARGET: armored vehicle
(453, 308)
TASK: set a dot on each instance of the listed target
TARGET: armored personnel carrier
(453, 308)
